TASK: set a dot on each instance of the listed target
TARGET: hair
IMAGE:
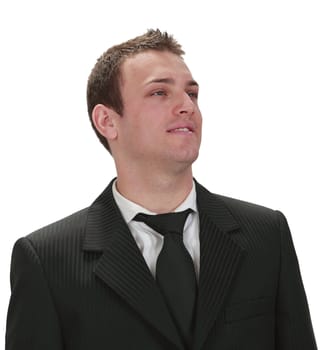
(103, 85)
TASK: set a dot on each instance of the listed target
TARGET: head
(104, 83)
(142, 102)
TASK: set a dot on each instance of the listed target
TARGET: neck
(159, 193)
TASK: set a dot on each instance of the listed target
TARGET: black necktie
(175, 273)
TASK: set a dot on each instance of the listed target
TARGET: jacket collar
(106, 231)
(130, 277)
(220, 259)
(104, 216)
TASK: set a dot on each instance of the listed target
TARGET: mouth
(184, 130)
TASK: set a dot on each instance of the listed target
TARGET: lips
(181, 129)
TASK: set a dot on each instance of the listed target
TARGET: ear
(104, 119)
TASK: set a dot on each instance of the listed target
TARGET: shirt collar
(129, 209)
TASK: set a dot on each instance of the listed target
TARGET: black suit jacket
(82, 283)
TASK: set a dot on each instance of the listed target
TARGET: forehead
(153, 64)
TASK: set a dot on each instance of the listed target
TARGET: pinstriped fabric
(103, 218)
(122, 266)
(94, 244)
(220, 259)
(114, 238)
(114, 264)
(131, 278)
(100, 285)
(59, 242)
(259, 226)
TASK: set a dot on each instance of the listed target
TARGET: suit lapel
(220, 259)
(122, 266)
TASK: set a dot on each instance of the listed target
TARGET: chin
(187, 158)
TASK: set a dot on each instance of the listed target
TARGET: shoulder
(68, 229)
(260, 226)
(241, 207)
(258, 229)
(252, 214)
(54, 251)
(231, 213)
(240, 210)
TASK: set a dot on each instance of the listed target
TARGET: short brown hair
(104, 81)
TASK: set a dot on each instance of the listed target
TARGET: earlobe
(104, 119)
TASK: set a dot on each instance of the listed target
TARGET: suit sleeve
(32, 321)
(293, 324)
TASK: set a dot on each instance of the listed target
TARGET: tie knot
(165, 223)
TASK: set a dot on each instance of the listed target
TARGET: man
(108, 278)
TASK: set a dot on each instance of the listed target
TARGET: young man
(117, 276)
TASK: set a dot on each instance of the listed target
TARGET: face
(161, 122)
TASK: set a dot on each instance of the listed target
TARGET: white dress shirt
(149, 241)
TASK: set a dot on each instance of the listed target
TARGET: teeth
(182, 129)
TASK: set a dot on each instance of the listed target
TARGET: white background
(262, 70)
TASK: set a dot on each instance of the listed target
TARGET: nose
(184, 105)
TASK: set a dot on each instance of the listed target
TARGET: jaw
(171, 153)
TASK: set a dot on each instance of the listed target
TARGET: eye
(193, 94)
(159, 93)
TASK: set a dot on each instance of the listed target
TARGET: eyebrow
(171, 81)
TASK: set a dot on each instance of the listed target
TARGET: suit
(82, 283)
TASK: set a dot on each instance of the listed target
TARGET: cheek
(145, 121)
(199, 118)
